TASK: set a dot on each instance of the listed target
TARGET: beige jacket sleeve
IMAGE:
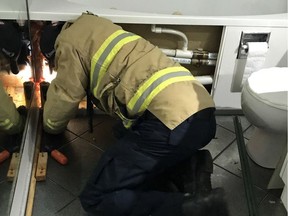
(65, 91)
(10, 120)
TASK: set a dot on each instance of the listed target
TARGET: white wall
(194, 7)
(13, 9)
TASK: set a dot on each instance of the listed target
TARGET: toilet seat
(269, 86)
(264, 103)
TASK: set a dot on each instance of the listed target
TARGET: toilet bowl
(264, 104)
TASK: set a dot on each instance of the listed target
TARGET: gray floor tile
(50, 198)
(82, 157)
(79, 125)
(56, 141)
(5, 188)
(84, 152)
(223, 139)
(249, 132)
(102, 135)
(227, 122)
(5, 197)
(272, 205)
(260, 175)
(73, 209)
(230, 161)
(74, 125)
(276, 192)
(4, 167)
(234, 191)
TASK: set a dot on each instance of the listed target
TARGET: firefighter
(168, 115)
(11, 122)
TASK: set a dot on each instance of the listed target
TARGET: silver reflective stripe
(104, 55)
(154, 85)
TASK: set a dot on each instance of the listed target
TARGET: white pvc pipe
(178, 53)
(181, 60)
(205, 79)
(169, 52)
(174, 32)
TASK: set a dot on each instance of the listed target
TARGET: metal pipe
(184, 52)
(203, 54)
(201, 62)
(194, 55)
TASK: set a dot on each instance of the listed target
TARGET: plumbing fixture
(200, 62)
(250, 37)
(202, 54)
(195, 62)
(180, 55)
(203, 79)
(184, 56)
(198, 57)
(172, 31)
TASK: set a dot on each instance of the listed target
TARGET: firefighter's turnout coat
(125, 73)
(10, 120)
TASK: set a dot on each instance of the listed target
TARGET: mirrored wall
(16, 90)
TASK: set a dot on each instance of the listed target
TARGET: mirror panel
(15, 94)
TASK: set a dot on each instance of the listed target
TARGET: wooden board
(41, 170)
(32, 188)
(13, 166)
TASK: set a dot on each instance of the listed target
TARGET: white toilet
(264, 104)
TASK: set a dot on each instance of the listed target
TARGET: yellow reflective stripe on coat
(6, 124)
(156, 83)
(52, 125)
(105, 55)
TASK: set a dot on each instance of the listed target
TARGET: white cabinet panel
(228, 65)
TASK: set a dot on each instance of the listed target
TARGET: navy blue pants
(120, 184)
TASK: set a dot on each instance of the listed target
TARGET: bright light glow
(25, 74)
(47, 76)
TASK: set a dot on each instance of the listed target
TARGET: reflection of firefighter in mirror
(13, 52)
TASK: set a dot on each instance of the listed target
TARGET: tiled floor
(227, 172)
(12, 144)
(58, 194)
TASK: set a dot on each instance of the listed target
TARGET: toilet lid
(270, 85)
